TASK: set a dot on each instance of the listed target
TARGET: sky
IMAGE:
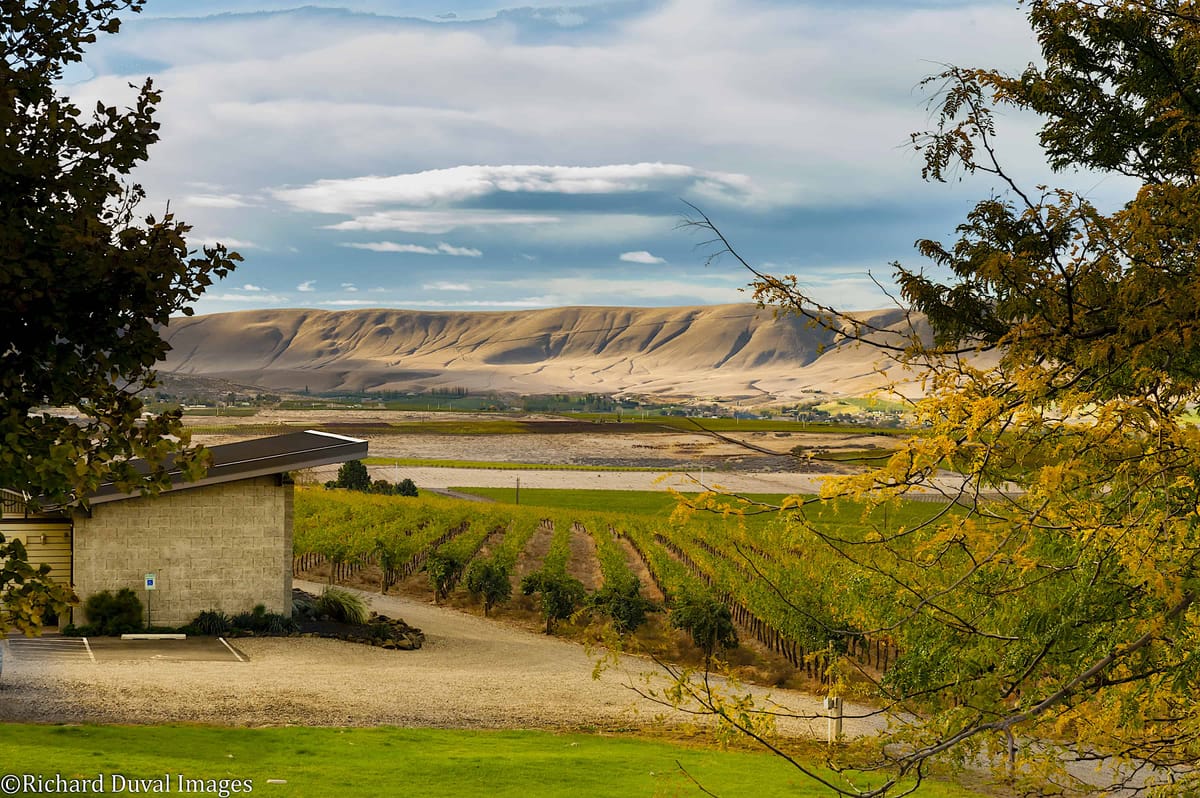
(447, 155)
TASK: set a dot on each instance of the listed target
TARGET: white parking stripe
(89, 649)
(231, 651)
(48, 649)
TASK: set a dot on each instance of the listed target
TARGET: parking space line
(48, 649)
(231, 651)
(89, 649)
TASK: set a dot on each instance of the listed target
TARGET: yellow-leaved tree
(1048, 614)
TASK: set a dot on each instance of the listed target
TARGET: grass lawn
(321, 762)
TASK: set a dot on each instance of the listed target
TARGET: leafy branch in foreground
(1053, 617)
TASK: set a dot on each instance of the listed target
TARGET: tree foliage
(444, 568)
(86, 283)
(27, 594)
(352, 475)
(489, 582)
(1060, 604)
(623, 602)
(561, 594)
(707, 620)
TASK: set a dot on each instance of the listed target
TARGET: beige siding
(45, 542)
(226, 547)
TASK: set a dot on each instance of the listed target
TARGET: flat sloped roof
(255, 458)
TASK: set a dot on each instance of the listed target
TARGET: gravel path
(471, 673)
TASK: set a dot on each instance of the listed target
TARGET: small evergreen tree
(353, 476)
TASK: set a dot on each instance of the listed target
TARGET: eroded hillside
(728, 351)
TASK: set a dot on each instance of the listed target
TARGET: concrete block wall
(226, 547)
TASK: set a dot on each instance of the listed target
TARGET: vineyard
(784, 598)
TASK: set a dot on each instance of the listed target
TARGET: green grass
(490, 465)
(657, 423)
(874, 457)
(661, 503)
(224, 411)
(633, 502)
(432, 763)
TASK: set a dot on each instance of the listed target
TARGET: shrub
(560, 593)
(624, 604)
(444, 570)
(212, 622)
(707, 620)
(489, 582)
(341, 605)
(253, 621)
(275, 623)
(353, 475)
(113, 614)
(406, 487)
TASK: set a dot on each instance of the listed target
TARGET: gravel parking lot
(471, 673)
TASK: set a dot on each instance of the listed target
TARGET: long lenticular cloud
(464, 183)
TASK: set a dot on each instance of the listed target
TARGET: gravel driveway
(471, 673)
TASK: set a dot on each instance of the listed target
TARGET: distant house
(222, 542)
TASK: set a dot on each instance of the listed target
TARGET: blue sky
(468, 155)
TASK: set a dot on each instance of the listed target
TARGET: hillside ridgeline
(726, 351)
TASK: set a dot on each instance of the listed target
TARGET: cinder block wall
(225, 547)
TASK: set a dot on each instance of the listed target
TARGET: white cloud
(462, 252)
(461, 183)
(270, 299)
(641, 256)
(229, 243)
(417, 249)
(216, 201)
(530, 302)
(349, 288)
(391, 246)
(307, 286)
(590, 290)
(438, 221)
(443, 285)
(250, 287)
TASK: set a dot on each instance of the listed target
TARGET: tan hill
(732, 352)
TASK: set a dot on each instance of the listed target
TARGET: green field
(492, 465)
(319, 762)
(630, 502)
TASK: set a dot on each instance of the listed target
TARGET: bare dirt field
(680, 460)
(472, 673)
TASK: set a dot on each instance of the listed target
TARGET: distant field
(574, 424)
(490, 465)
(434, 763)
(632, 502)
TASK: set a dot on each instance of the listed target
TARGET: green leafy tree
(406, 487)
(707, 620)
(1058, 605)
(624, 603)
(489, 582)
(560, 594)
(353, 475)
(86, 283)
(28, 596)
(445, 569)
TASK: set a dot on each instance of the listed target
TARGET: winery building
(221, 542)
